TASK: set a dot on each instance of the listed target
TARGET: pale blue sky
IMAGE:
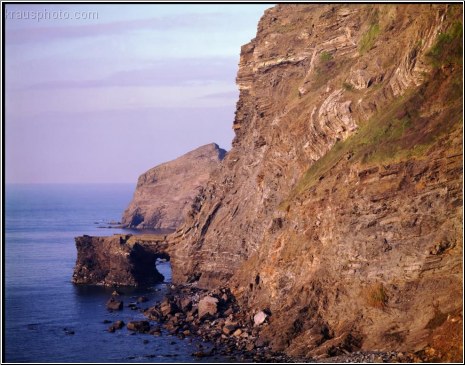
(103, 100)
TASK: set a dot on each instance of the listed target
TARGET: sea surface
(47, 318)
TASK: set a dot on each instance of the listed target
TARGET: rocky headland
(165, 193)
(333, 227)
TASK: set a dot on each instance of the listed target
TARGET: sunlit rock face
(166, 192)
(339, 207)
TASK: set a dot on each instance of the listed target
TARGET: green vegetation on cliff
(448, 48)
(401, 131)
(369, 38)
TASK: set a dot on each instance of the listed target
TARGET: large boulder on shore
(139, 326)
(208, 306)
(165, 193)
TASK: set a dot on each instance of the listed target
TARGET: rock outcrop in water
(124, 260)
(339, 207)
(165, 193)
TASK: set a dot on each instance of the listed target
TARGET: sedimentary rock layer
(165, 193)
(339, 207)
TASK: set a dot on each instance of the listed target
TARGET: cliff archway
(119, 260)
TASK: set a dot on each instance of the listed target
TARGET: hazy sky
(105, 98)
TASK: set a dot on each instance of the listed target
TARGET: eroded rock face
(339, 205)
(165, 193)
(119, 260)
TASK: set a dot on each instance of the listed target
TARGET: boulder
(167, 308)
(142, 299)
(259, 318)
(208, 305)
(68, 331)
(154, 313)
(229, 329)
(114, 305)
(155, 331)
(237, 332)
(139, 326)
(185, 304)
(116, 326)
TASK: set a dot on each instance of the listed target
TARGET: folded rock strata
(339, 206)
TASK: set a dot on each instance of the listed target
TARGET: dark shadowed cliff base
(336, 218)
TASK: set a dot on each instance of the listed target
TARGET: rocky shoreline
(216, 318)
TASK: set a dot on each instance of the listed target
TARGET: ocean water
(47, 318)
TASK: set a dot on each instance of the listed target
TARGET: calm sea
(43, 308)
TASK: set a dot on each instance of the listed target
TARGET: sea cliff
(338, 211)
(339, 207)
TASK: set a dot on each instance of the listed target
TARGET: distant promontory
(166, 192)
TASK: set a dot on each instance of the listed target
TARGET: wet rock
(208, 305)
(202, 354)
(156, 331)
(139, 326)
(116, 326)
(142, 299)
(154, 313)
(68, 332)
(114, 304)
(133, 306)
(167, 308)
